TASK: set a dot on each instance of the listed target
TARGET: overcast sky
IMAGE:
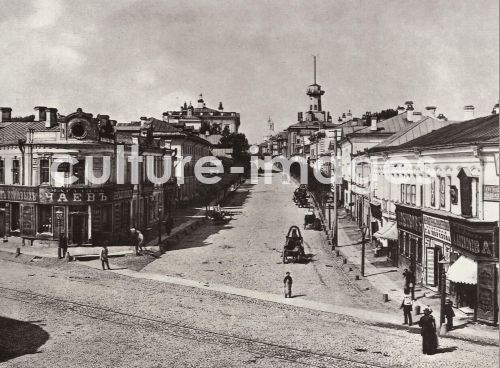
(132, 58)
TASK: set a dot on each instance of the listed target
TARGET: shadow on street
(18, 338)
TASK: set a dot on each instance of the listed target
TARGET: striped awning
(464, 271)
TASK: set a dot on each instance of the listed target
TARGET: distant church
(202, 119)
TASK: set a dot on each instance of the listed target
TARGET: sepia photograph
(238, 183)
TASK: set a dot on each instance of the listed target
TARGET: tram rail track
(268, 349)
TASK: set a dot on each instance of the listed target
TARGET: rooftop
(481, 130)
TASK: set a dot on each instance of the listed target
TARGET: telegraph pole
(335, 200)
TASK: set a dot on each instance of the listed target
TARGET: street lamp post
(442, 325)
(159, 223)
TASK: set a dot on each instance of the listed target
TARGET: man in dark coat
(287, 282)
(63, 246)
(428, 332)
(449, 314)
(407, 306)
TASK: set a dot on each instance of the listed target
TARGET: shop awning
(464, 271)
(388, 231)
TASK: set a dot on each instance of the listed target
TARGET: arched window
(311, 107)
(315, 107)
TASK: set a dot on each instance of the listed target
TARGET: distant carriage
(294, 246)
(311, 221)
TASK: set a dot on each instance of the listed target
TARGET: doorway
(79, 228)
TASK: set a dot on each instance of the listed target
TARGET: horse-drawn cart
(294, 246)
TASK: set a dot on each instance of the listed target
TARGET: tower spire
(314, 56)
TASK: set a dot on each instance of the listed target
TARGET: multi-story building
(38, 205)
(441, 189)
(183, 142)
(203, 118)
(354, 144)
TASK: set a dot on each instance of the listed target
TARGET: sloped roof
(480, 130)
(413, 131)
(391, 125)
(17, 130)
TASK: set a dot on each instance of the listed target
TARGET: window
(44, 219)
(419, 251)
(15, 171)
(408, 193)
(465, 193)
(2, 171)
(44, 171)
(442, 192)
(403, 193)
(433, 193)
(407, 245)
(79, 172)
(413, 197)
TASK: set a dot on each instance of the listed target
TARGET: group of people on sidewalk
(427, 322)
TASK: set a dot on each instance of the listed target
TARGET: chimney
(300, 116)
(144, 119)
(373, 123)
(103, 119)
(221, 108)
(468, 112)
(409, 111)
(6, 113)
(495, 109)
(50, 117)
(431, 111)
(400, 109)
(340, 120)
(344, 118)
(417, 115)
(40, 113)
(349, 115)
(441, 117)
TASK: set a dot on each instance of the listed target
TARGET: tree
(386, 114)
(240, 146)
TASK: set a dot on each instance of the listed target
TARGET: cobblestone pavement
(246, 252)
(87, 317)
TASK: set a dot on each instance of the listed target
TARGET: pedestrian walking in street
(63, 246)
(287, 282)
(449, 314)
(407, 306)
(103, 256)
(427, 324)
(140, 241)
(135, 240)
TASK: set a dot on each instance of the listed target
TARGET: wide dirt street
(246, 252)
(59, 314)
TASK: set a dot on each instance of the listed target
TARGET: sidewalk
(389, 280)
(186, 220)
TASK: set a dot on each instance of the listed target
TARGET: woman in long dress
(428, 332)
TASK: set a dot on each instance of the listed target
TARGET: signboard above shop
(437, 228)
(491, 193)
(13, 193)
(70, 195)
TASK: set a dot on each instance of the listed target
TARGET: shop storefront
(437, 246)
(85, 215)
(473, 270)
(17, 209)
(410, 228)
